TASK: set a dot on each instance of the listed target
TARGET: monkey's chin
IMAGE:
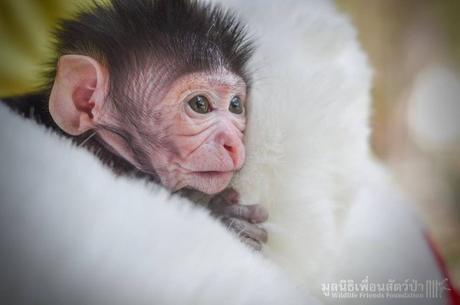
(210, 182)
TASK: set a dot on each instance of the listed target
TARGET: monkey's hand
(243, 220)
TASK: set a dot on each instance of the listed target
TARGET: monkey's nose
(229, 148)
(230, 141)
(236, 153)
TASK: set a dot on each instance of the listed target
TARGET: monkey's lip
(213, 173)
(210, 182)
(216, 169)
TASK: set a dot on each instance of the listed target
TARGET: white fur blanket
(72, 233)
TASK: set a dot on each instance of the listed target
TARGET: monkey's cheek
(210, 182)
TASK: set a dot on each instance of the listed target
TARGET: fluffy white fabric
(334, 215)
(71, 229)
(308, 127)
(72, 233)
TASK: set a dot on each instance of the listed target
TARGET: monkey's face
(188, 132)
(203, 118)
(131, 79)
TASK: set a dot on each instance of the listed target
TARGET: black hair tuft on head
(183, 35)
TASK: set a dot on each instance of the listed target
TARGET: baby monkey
(159, 86)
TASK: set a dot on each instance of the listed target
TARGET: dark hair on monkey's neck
(173, 37)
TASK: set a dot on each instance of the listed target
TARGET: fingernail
(260, 215)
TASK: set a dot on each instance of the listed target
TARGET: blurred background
(414, 48)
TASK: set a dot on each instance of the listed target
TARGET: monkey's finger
(255, 213)
(246, 229)
(254, 244)
(217, 206)
(223, 200)
(231, 196)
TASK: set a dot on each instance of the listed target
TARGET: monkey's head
(161, 83)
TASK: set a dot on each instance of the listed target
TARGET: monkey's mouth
(213, 173)
(210, 182)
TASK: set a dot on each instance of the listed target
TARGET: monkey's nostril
(228, 148)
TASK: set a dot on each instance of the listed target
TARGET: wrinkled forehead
(149, 92)
(220, 79)
(150, 78)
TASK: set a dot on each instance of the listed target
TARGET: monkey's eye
(235, 105)
(200, 104)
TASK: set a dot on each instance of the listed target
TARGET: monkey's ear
(78, 93)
